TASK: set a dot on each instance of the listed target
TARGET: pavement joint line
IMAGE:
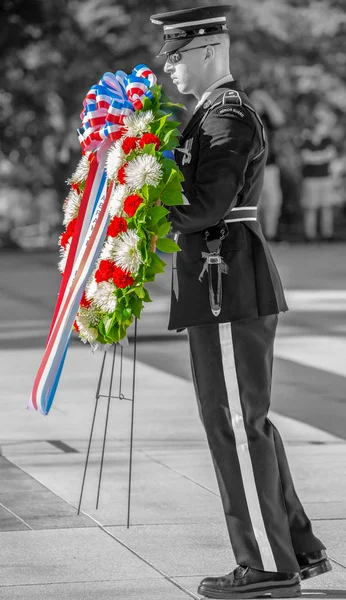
(337, 562)
(179, 473)
(19, 585)
(143, 559)
(15, 515)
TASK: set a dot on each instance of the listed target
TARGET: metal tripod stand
(116, 349)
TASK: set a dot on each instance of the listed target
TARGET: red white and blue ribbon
(105, 107)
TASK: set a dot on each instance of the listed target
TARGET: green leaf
(137, 306)
(147, 103)
(146, 296)
(139, 291)
(167, 245)
(127, 312)
(157, 265)
(171, 194)
(156, 213)
(164, 229)
(170, 126)
(149, 149)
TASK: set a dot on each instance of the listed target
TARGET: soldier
(227, 293)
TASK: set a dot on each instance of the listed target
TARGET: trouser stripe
(242, 447)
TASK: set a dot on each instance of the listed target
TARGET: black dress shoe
(313, 563)
(245, 582)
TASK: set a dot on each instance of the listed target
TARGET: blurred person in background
(289, 163)
(271, 196)
(318, 195)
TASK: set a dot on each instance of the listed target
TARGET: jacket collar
(230, 85)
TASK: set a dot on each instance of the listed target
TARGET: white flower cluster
(138, 123)
(123, 251)
(144, 169)
(63, 257)
(81, 172)
(87, 333)
(71, 206)
(104, 297)
(117, 200)
(116, 157)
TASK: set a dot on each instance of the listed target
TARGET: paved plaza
(177, 533)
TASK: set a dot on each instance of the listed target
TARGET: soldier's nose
(168, 68)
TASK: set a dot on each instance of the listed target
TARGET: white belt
(242, 213)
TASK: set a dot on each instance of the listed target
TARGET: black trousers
(232, 372)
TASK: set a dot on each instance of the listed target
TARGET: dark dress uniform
(223, 159)
(222, 155)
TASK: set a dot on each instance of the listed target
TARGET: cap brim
(173, 45)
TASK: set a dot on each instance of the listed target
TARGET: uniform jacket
(222, 157)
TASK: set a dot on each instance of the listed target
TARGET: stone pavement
(177, 533)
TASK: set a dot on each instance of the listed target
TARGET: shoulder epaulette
(232, 97)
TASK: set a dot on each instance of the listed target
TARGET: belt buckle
(214, 259)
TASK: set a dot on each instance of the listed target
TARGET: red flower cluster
(108, 270)
(64, 238)
(85, 303)
(132, 203)
(129, 143)
(150, 138)
(116, 226)
(105, 271)
(76, 326)
(121, 174)
(122, 278)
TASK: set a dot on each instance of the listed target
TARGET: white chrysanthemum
(125, 251)
(63, 257)
(116, 203)
(138, 123)
(143, 170)
(116, 157)
(108, 249)
(71, 206)
(87, 333)
(104, 297)
(90, 288)
(81, 172)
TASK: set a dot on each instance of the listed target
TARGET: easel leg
(97, 396)
(106, 424)
(132, 422)
(109, 397)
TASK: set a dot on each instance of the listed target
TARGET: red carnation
(116, 226)
(121, 174)
(85, 303)
(150, 138)
(129, 143)
(122, 278)
(68, 233)
(132, 203)
(105, 271)
(76, 326)
(75, 187)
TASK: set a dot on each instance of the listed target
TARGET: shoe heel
(293, 591)
(318, 569)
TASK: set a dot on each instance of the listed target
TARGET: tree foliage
(52, 52)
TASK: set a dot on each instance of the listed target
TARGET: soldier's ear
(209, 52)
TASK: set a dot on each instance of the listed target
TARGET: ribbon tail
(51, 366)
